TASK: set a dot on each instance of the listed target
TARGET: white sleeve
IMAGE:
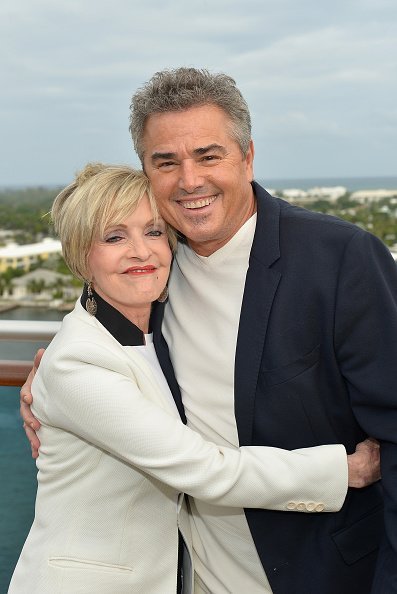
(110, 410)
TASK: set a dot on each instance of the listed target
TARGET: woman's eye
(113, 238)
(155, 233)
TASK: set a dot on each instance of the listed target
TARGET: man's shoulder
(303, 216)
(303, 220)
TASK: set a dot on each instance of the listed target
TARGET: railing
(14, 373)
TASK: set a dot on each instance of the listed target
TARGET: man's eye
(210, 158)
(166, 164)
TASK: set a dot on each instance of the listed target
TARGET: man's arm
(30, 423)
(363, 465)
(366, 348)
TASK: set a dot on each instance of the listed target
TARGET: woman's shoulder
(82, 337)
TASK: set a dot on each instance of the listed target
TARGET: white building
(294, 194)
(39, 286)
(23, 256)
(331, 193)
(365, 196)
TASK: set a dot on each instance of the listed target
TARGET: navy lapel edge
(260, 288)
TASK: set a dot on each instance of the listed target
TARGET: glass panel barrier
(19, 341)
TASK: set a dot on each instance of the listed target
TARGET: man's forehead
(199, 120)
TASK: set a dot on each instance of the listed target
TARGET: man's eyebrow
(158, 156)
(211, 147)
(202, 150)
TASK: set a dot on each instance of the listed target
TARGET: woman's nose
(138, 248)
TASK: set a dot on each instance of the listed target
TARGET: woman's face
(130, 264)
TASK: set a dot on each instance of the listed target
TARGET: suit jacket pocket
(74, 563)
(287, 372)
(68, 575)
(361, 538)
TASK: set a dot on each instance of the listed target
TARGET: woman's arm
(110, 411)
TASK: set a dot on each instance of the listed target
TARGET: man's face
(199, 177)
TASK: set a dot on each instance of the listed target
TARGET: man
(281, 327)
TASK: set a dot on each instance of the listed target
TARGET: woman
(115, 456)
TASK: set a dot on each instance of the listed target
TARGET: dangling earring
(90, 304)
(163, 295)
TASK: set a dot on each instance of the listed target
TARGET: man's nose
(190, 176)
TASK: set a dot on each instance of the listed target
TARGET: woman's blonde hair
(101, 195)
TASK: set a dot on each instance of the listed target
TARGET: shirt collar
(124, 331)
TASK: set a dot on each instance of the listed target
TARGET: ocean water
(351, 183)
(17, 468)
(18, 484)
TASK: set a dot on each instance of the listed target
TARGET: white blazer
(113, 461)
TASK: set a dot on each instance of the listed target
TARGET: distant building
(317, 193)
(365, 196)
(39, 286)
(294, 194)
(24, 256)
(331, 193)
(6, 234)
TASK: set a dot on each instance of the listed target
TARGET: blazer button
(301, 506)
(310, 506)
(291, 505)
(320, 507)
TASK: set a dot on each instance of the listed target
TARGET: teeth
(198, 203)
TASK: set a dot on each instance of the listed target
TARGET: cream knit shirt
(200, 326)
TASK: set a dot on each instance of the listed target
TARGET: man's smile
(200, 203)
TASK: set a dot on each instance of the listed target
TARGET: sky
(320, 78)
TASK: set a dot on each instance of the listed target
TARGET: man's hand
(30, 423)
(364, 464)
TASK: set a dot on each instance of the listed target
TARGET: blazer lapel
(260, 288)
(161, 348)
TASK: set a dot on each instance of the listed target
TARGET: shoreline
(10, 305)
(7, 306)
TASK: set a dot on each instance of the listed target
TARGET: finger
(32, 437)
(25, 393)
(367, 444)
(26, 396)
(37, 358)
(374, 442)
(28, 418)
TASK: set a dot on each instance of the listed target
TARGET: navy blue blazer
(316, 363)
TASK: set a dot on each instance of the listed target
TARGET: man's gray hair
(182, 88)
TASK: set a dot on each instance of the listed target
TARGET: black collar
(124, 331)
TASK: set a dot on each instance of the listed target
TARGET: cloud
(312, 74)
